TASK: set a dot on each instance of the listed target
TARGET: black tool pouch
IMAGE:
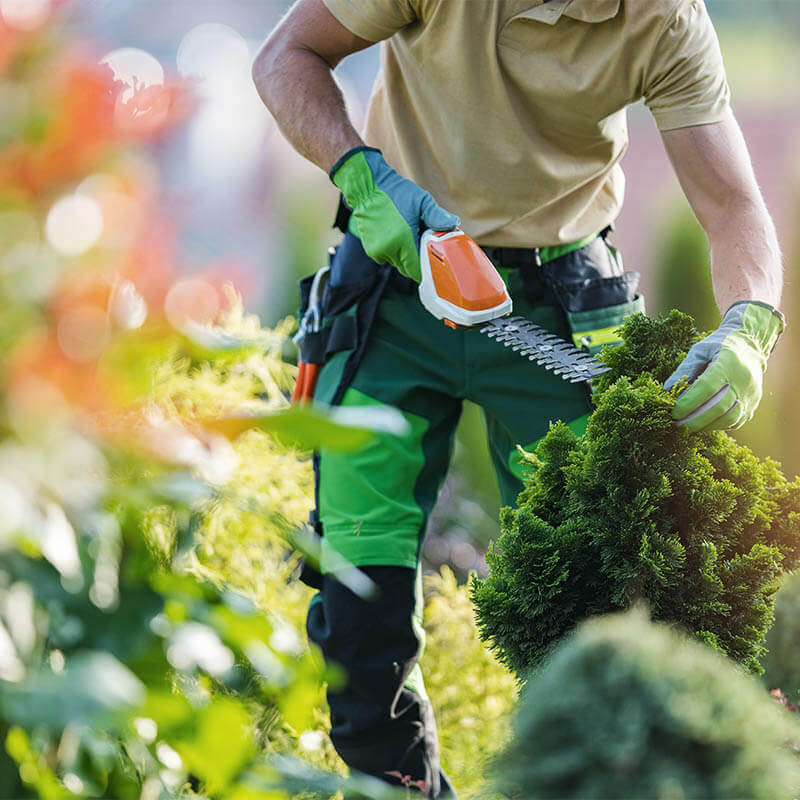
(355, 287)
(350, 303)
(594, 292)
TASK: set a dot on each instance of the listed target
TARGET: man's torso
(512, 112)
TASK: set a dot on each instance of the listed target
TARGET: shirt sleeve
(685, 83)
(373, 20)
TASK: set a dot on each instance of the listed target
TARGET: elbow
(262, 68)
(274, 60)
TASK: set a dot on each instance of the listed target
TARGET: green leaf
(298, 777)
(169, 710)
(33, 768)
(310, 428)
(297, 704)
(207, 341)
(222, 744)
(93, 689)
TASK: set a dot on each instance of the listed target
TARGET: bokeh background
(237, 196)
(148, 568)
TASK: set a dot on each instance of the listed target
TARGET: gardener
(511, 113)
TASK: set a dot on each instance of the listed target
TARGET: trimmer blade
(545, 348)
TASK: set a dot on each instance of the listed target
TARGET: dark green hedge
(639, 510)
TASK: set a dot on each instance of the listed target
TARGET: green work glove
(726, 369)
(389, 212)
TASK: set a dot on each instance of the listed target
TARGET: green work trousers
(374, 504)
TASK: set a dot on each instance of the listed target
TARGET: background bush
(471, 692)
(781, 661)
(625, 708)
(683, 269)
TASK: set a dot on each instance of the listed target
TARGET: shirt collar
(583, 10)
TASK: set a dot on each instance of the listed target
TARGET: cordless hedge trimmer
(461, 286)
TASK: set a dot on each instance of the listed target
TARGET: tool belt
(589, 284)
(338, 303)
(337, 307)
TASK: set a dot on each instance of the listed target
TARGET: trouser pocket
(593, 328)
(595, 293)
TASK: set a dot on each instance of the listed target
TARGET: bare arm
(714, 169)
(293, 73)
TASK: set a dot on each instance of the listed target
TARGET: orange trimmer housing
(460, 285)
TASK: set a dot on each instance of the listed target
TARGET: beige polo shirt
(512, 112)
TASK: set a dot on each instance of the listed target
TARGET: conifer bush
(625, 708)
(782, 660)
(637, 509)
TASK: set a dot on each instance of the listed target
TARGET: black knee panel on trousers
(377, 725)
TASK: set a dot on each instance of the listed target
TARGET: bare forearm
(745, 255)
(714, 168)
(299, 89)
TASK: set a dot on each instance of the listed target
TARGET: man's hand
(727, 368)
(389, 212)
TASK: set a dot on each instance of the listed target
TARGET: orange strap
(306, 383)
(299, 381)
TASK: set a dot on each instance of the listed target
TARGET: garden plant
(155, 484)
(781, 669)
(639, 510)
(128, 669)
(627, 708)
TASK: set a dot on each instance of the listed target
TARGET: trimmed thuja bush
(637, 509)
(626, 708)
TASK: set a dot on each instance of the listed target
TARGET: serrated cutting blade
(545, 349)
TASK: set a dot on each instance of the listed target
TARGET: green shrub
(628, 709)
(782, 660)
(636, 510)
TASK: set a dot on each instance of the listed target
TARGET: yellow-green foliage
(242, 536)
(243, 544)
(251, 372)
(471, 692)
